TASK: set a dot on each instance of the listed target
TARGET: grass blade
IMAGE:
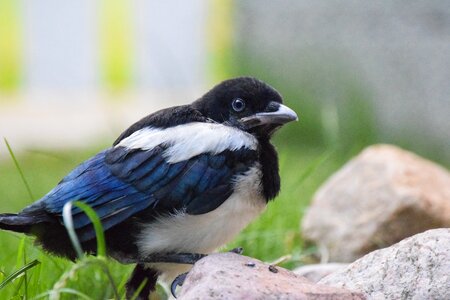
(25, 276)
(68, 223)
(139, 289)
(16, 163)
(62, 291)
(100, 235)
(21, 261)
(312, 167)
(17, 273)
(92, 215)
(110, 278)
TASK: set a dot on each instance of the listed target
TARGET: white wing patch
(189, 140)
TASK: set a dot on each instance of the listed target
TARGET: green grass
(274, 234)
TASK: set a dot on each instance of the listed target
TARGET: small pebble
(273, 269)
(250, 264)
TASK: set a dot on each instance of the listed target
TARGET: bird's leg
(180, 258)
(141, 273)
(175, 258)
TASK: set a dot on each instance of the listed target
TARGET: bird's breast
(203, 233)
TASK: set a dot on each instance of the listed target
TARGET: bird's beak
(278, 114)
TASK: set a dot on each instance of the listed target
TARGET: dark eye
(238, 105)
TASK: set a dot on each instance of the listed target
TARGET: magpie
(174, 186)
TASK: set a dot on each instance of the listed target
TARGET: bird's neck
(268, 159)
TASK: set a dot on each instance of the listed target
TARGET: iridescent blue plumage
(120, 182)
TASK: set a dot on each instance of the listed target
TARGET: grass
(276, 233)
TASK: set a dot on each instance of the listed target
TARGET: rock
(315, 272)
(232, 276)
(416, 268)
(380, 197)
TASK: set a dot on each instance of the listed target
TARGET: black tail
(49, 233)
(17, 222)
(24, 220)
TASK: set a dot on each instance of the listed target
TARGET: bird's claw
(178, 281)
(238, 250)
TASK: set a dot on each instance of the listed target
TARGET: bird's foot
(178, 281)
(180, 258)
(174, 258)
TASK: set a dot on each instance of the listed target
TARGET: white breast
(204, 233)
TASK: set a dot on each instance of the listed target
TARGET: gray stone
(380, 197)
(315, 272)
(232, 276)
(416, 268)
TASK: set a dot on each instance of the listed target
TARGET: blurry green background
(74, 74)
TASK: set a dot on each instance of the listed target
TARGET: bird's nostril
(272, 106)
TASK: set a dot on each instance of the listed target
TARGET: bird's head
(246, 103)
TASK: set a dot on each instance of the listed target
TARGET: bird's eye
(238, 105)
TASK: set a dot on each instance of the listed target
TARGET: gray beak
(280, 116)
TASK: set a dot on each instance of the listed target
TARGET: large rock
(231, 276)
(315, 272)
(380, 197)
(415, 268)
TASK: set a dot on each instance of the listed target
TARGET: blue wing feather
(157, 174)
(89, 164)
(134, 164)
(174, 171)
(119, 182)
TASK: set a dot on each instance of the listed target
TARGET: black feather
(268, 158)
(17, 223)
(165, 118)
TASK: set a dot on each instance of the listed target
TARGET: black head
(247, 103)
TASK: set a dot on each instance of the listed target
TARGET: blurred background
(74, 74)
